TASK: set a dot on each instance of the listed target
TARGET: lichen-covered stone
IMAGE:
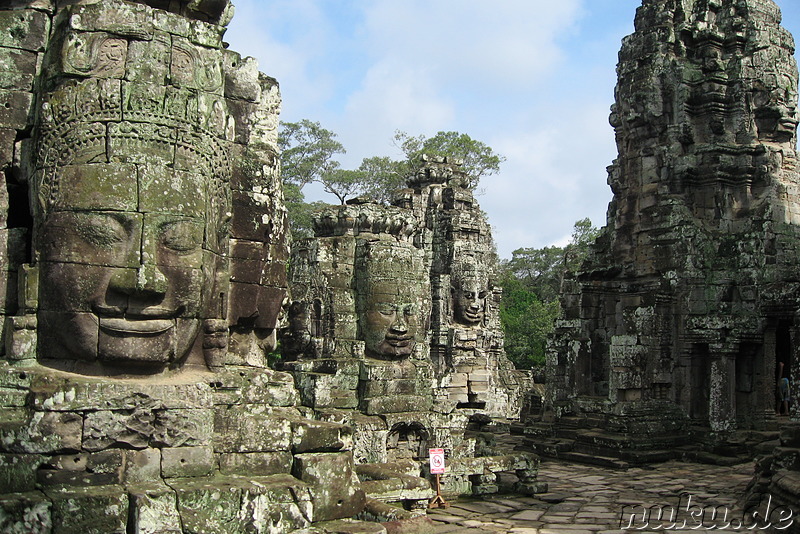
(687, 303)
(18, 472)
(155, 510)
(239, 505)
(394, 317)
(142, 290)
(26, 513)
(330, 479)
(252, 428)
(187, 462)
(255, 463)
(92, 509)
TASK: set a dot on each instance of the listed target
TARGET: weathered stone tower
(673, 330)
(143, 272)
(394, 329)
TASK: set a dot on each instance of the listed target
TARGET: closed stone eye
(182, 236)
(101, 230)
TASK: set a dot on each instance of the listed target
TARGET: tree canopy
(531, 279)
(309, 154)
(478, 159)
(531, 282)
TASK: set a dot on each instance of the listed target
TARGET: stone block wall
(394, 327)
(688, 301)
(118, 113)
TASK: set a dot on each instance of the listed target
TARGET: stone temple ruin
(147, 275)
(394, 329)
(673, 332)
(145, 272)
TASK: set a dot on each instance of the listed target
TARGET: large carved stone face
(392, 319)
(469, 301)
(124, 273)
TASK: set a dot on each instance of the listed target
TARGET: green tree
(583, 235)
(307, 152)
(527, 321)
(539, 269)
(531, 282)
(344, 183)
(307, 155)
(478, 159)
(299, 211)
(383, 176)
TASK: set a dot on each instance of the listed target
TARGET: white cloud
(472, 41)
(497, 71)
(287, 37)
(554, 176)
(442, 65)
(392, 97)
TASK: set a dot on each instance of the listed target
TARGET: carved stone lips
(396, 341)
(472, 315)
(135, 327)
(145, 321)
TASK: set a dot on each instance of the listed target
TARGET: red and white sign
(437, 461)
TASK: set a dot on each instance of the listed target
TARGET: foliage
(583, 235)
(383, 176)
(531, 282)
(307, 152)
(344, 183)
(478, 159)
(300, 212)
(527, 321)
(539, 269)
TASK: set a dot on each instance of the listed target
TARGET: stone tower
(144, 269)
(394, 329)
(673, 329)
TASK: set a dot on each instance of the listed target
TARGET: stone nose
(149, 279)
(400, 324)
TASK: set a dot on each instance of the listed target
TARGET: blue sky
(533, 79)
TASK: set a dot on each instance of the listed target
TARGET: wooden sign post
(437, 468)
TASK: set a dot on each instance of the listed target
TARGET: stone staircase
(588, 439)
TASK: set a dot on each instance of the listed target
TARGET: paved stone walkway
(590, 500)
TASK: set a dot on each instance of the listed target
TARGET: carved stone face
(124, 272)
(392, 319)
(469, 301)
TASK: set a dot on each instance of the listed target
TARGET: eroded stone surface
(157, 235)
(688, 301)
(394, 329)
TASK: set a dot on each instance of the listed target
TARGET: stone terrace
(586, 499)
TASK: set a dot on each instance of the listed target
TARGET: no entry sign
(437, 461)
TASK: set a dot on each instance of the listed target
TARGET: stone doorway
(783, 354)
(407, 441)
(700, 382)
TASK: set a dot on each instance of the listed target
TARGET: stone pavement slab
(586, 499)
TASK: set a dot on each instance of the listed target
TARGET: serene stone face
(469, 301)
(392, 299)
(391, 319)
(130, 187)
(124, 286)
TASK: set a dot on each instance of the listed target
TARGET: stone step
(517, 428)
(705, 457)
(539, 430)
(549, 447)
(591, 459)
